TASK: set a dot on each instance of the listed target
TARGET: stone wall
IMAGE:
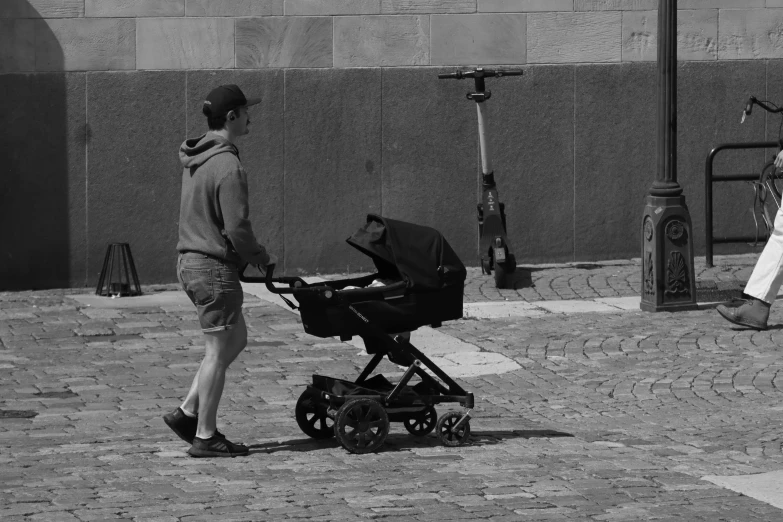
(98, 95)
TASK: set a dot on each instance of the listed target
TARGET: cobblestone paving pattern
(599, 279)
(612, 417)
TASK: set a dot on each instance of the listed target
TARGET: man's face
(239, 126)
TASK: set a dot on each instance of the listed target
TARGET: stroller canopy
(417, 254)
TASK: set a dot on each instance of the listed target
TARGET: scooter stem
(486, 161)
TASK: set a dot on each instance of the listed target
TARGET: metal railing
(709, 179)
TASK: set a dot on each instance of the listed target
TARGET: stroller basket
(426, 283)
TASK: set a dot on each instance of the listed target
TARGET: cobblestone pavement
(609, 417)
(600, 279)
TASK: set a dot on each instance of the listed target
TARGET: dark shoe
(753, 313)
(182, 425)
(216, 446)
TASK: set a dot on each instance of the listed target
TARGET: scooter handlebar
(481, 73)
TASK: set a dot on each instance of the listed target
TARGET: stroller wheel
(445, 433)
(361, 425)
(422, 423)
(311, 416)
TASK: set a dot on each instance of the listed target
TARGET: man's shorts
(213, 286)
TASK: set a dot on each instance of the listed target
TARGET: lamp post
(668, 280)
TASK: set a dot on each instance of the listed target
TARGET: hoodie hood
(196, 151)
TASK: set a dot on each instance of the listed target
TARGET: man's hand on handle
(263, 268)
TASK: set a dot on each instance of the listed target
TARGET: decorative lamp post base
(668, 278)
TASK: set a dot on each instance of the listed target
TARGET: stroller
(429, 289)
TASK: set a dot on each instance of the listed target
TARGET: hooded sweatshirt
(213, 213)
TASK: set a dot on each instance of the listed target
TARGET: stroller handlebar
(292, 282)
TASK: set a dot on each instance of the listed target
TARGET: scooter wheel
(503, 273)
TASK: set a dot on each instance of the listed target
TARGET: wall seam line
(573, 174)
(380, 159)
(86, 179)
(285, 167)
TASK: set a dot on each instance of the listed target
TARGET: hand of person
(779, 160)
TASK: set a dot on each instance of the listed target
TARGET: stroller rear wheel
(422, 423)
(361, 425)
(311, 416)
(447, 435)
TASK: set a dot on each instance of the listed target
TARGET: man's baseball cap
(226, 98)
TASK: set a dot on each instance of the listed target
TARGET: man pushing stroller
(215, 238)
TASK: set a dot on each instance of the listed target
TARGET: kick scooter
(494, 247)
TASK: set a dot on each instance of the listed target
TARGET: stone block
(367, 41)
(430, 156)
(185, 43)
(524, 6)
(697, 35)
(333, 165)
(531, 130)
(332, 7)
(79, 44)
(427, 6)
(233, 8)
(43, 181)
(722, 4)
(615, 5)
(774, 3)
(17, 45)
(711, 96)
(279, 41)
(616, 133)
(614, 157)
(134, 8)
(750, 34)
(261, 151)
(478, 39)
(136, 123)
(574, 37)
(41, 8)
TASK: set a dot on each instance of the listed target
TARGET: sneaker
(216, 446)
(182, 425)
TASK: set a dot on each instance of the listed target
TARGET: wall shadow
(38, 202)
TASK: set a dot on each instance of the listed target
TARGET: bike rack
(709, 179)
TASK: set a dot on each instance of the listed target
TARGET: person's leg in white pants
(767, 275)
(763, 285)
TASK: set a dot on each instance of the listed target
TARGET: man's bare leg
(222, 348)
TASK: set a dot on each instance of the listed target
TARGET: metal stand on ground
(118, 276)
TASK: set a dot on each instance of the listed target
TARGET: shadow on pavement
(401, 441)
(519, 278)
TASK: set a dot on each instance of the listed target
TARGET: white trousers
(767, 275)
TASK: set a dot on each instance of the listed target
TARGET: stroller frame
(360, 419)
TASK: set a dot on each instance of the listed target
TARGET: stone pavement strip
(611, 416)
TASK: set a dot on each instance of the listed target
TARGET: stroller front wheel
(447, 435)
(361, 425)
(422, 423)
